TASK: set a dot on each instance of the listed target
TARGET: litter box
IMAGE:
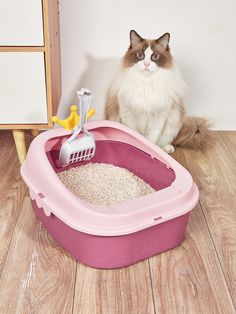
(118, 235)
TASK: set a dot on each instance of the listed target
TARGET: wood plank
(38, 276)
(12, 192)
(215, 173)
(229, 138)
(47, 58)
(55, 54)
(126, 290)
(21, 49)
(26, 126)
(52, 55)
(189, 279)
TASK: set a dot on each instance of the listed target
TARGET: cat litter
(104, 184)
(129, 202)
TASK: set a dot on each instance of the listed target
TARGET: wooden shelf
(22, 49)
(51, 50)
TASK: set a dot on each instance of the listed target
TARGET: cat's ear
(135, 38)
(163, 41)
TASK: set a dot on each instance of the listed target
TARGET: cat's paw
(169, 149)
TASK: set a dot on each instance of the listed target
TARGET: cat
(147, 95)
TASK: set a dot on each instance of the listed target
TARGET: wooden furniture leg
(34, 132)
(19, 138)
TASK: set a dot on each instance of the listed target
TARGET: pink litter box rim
(53, 197)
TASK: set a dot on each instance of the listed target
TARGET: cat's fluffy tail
(195, 134)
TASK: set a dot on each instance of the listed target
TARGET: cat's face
(148, 56)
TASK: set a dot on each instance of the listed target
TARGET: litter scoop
(79, 149)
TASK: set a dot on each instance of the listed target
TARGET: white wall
(94, 35)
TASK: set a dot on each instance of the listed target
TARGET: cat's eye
(155, 57)
(140, 55)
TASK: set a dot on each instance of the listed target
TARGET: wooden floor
(38, 276)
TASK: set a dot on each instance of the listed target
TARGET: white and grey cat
(147, 95)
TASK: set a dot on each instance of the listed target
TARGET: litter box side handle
(41, 202)
(36, 195)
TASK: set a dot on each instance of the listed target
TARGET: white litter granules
(104, 184)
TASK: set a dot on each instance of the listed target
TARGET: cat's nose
(146, 63)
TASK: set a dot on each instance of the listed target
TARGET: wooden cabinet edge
(22, 49)
(52, 54)
(25, 126)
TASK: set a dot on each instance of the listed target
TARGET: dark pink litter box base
(114, 236)
(108, 252)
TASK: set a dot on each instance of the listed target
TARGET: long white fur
(146, 95)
